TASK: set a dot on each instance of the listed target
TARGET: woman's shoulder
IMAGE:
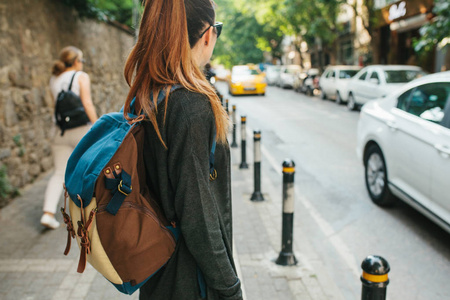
(189, 103)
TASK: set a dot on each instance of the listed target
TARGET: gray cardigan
(179, 177)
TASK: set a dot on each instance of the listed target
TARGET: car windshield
(347, 73)
(401, 76)
(245, 72)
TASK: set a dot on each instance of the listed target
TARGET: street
(333, 211)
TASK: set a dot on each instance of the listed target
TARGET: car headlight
(235, 82)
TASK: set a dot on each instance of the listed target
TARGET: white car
(287, 74)
(377, 81)
(404, 143)
(333, 82)
(272, 74)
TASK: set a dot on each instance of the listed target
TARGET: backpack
(118, 225)
(69, 111)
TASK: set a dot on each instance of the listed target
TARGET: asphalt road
(332, 205)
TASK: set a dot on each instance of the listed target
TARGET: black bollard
(243, 164)
(374, 278)
(226, 107)
(286, 257)
(257, 195)
(234, 144)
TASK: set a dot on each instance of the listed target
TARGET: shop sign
(397, 11)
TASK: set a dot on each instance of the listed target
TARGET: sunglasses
(218, 27)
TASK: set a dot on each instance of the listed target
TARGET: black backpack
(69, 111)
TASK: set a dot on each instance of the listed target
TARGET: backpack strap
(212, 170)
(71, 81)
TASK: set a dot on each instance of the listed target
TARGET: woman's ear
(207, 36)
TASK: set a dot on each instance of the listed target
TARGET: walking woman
(176, 40)
(66, 70)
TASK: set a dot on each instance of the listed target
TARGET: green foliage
(436, 31)
(240, 41)
(18, 141)
(5, 187)
(118, 10)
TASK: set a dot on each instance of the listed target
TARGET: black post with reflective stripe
(286, 257)
(243, 164)
(234, 144)
(374, 278)
(257, 195)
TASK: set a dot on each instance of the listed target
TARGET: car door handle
(392, 126)
(443, 149)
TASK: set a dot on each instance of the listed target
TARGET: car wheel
(324, 96)
(338, 98)
(309, 91)
(351, 104)
(376, 177)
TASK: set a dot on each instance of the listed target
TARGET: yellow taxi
(246, 79)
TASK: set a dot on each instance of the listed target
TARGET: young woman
(176, 40)
(69, 65)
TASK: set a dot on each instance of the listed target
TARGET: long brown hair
(162, 57)
(67, 58)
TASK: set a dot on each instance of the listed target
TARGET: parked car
(403, 141)
(307, 82)
(272, 74)
(247, 79)
(311, 82)
(299, 79)
(222, 74)
(333, 82)
(287, 74)
(377, 81)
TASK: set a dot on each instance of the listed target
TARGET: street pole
(286, 257)
(374, 278)
(234, 144)
(257, 195)
(243, 164)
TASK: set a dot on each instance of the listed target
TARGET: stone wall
(32, 32)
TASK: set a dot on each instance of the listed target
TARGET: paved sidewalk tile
(33, 267)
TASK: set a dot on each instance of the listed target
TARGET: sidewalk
(32, 264)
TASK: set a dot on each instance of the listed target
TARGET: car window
(333, 74)
(363, 76)
(244, 72)
(402, 76)
(427, 101)
(329, 73)
(374, 75)
(347, 73)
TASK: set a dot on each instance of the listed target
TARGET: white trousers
(62, 147)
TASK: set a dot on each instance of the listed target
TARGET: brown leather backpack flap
(135, 239)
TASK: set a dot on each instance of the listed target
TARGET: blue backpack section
(92, 154)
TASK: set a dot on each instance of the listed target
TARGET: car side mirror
(374, 80)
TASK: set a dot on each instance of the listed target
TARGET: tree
(245, 36)
(117, 10)
(436, 32)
